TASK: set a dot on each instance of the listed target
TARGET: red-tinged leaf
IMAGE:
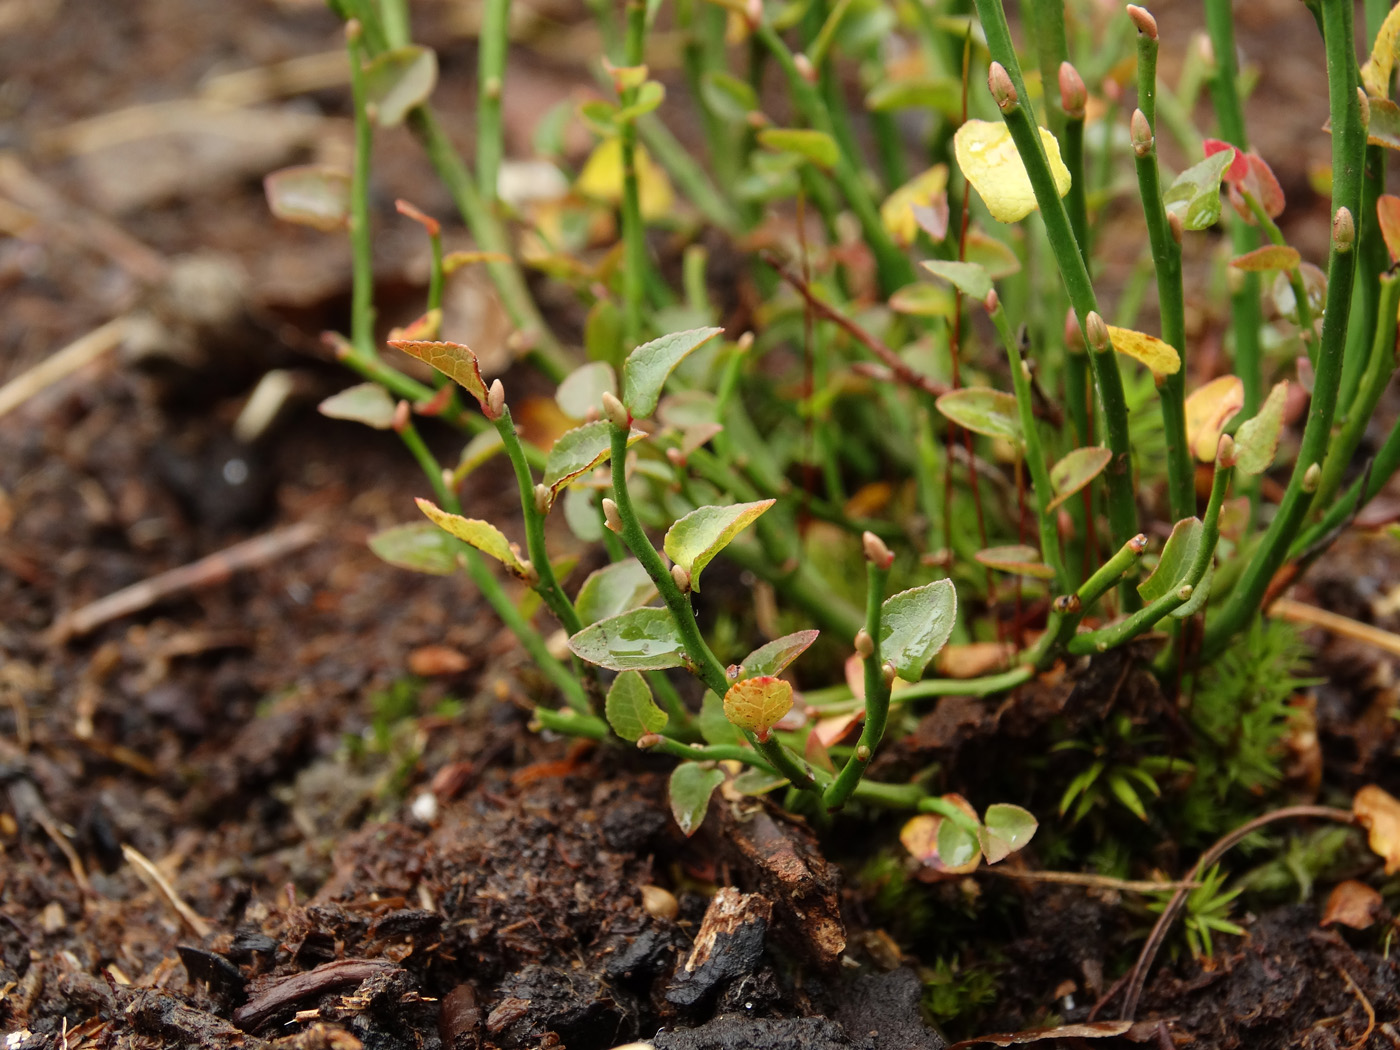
(412, 211)
(1018, 559)
(831, 731)
(310, 195)
(816, 753)
(1238, 168)
(1269, 257)
(757, 704)
(454, 360)
(926, 835)
(1388, 215)
(775, 657)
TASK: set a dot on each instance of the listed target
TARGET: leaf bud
(1185, 591)
(865, 645)
(744, 343)
(401, 417)
(753, 13)
(614, 411)
(611, 517)
(682, 578)
(1096, 332)
(992, 302)
(1074, 335)
(1225, 455)
(1142, 18)
(353, 30)
(1003, 90)
(1068, 604)
(1141, 133)
(495, 406)
(862, 753)
(876, 552)
(542, 498)
(887, 672)
(1365, 105)
(647, 740)
(528, 572)
(1074, 97)
(804, 67)
(1343, 231)
(1311, 477)
(1138, 544)
(1175, 225)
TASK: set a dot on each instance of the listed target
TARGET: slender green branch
(1009, 90)
(1066, 612)
(572, 722)
(1348, 150)
(490, 81)
(712, 753)
(1361, 492)
(877, 686)
(1301, 302)
(361, 233)
(634, 234)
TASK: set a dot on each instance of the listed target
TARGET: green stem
(361, 233)
(1065, 620)
(634, 234)
(490, 80)
(1371, 260)
(1383, 467)
(713, 753)
(1348, 149)
(571, 722)
(1295, 275)
(1166, 254)
(877, 694)
(1122, 505)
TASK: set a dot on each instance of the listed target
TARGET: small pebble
(659, 903)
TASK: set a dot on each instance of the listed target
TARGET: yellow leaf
(988, 158)
(601, 179)
(1379, 813)
(1208, 410)
(1160, 357)
(897, 213)
(1375, 73)
(756, 704)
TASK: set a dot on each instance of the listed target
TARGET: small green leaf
(420, 546)
(614, 589)
(774, 657)
(1005, 829)
(578, 451)
(649, 96)
(941, 95)
(691, 787)
(454, 360)
(971, 279)
(815, 146)
(1256, 441)
(1076, 470)
(367, 403)
(715, 727)
(398, 80)
(1173, 567)
(581, 392)
(694, 540)
(639, 640)
(1017, 559)
(957, 847)
(757, 782)
(1195, 194)
(310, 195)
(728, 97)
(599, 116)
(482, 535)
(923, 300)
(915, 625)
(992, 254)
(650, 364)
(1124, 793)
(983, 411)
(631, 711)
(756, 704)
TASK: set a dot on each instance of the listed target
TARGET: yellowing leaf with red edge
(1378, 812)
(1269, 257)
(1375, 71)
(1208, 410)
(920, 837)
(757, 704)
(831, 731)
(1353, 903)
(1388, 215)
(601, 179)
(897, 213)
(988, 159)
(1161, 358)
(454, 360)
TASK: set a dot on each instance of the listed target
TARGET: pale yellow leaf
(988, 158)
(1208, 410)
(897, 213)
(601, 179)
(1158, 356)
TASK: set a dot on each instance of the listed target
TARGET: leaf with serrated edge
(971, 279)
(581, 391)
(648, 366)
(419, 546)
(1017, 558)
(1160, 357)
(1269, 257)
(756, 704)
(630, 710)
(454, 360)
(578, 451)
(310, 195)
(1208, 410)
(639, 640)
(1005, 829)
(614, 589)
(988, 159)
(690, 789)
(482, 535)
(367, 403)
(398, 80)
(915, 624)
(982, 410)
(694, 540)
(775, 657)
(1256, 441)
(1076, 470)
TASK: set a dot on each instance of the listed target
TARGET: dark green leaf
(640, 640)
(650, 364)
(631, 711)
(915, 625)
(691, 787)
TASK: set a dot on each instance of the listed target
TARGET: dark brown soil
(301, 806)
